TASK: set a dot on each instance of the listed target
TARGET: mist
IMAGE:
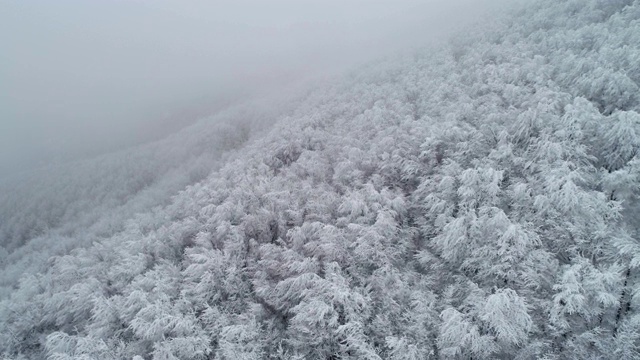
(79, 78)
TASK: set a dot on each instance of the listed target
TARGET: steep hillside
(478, 201)
(53, 210)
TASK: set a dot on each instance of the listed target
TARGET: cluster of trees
(479, 201)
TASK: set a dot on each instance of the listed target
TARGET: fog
(82, 77)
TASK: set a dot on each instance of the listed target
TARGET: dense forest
(477, 200)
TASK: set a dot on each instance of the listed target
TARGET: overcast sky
(87, 76)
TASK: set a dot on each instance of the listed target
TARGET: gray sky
(86, 76)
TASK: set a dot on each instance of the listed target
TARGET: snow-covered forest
(477, 200)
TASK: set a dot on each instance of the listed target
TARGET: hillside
(474, 201)
(53, 210)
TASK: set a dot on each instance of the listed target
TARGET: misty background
(79, 78)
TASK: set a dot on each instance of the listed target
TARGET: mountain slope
(475, 202)
(55, 209)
